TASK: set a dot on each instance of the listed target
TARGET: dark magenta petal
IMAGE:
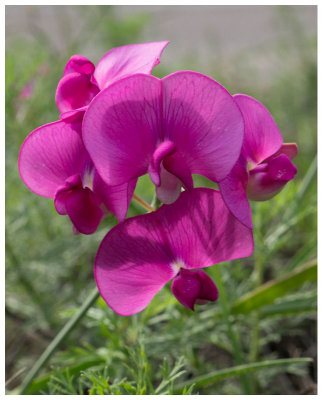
(79, 64)
(194, 287)
(122, 127)
(50, 155)
(202, 119)
(73, 182)
(84, 210)
(233, 191)
(186, 288)
(208, 289)
(264, 185)
(164, 149)
(115, 198)
(139, 256)
(261, 135)
(74, 91)
(281, 168)
(127, 60)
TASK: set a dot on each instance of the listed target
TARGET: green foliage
(265, 319)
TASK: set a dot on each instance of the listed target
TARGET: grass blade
(267, 293)
(208, 379)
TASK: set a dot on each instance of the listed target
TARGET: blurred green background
(268, 52)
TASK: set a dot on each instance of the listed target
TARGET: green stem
(232, 334)
(62, 334)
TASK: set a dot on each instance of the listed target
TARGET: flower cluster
(118, 123)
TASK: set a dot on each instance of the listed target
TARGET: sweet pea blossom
(183, 124)
(82, 80)
(54, 163)
(264, 166)
(139, 256)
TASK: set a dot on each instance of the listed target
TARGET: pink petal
(204, 122)
(139, 256)
(74, 116)
(164, 149)
(170, 187)
(194, 287)
(127, 60)
(233, 191)
(261, 136)
(74, 91)
(79, 64)
(186, 288)
(290, 149)
(116, 198)
(265, 184)
(51, 154)
(122, 127)
(201, 231)
(84, 210)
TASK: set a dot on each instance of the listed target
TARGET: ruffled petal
(139, 256)
(51, 154)
(127, 60)
(233, 191)
(79, 64)
(74, 91)
(115, 198)
(204, 122)
(262, 137)
(122, 127)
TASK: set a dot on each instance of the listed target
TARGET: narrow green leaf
(267, 293)
(40, 383)
(207, 379)
(296, 306)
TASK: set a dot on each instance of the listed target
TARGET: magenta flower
(82, 80)
(139, 256)
(183, 124)
(264, 166)
(54, 163)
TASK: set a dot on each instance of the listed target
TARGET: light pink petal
(262, 137)
(122, 127)
(79, 64)
(127, 60)
(115, 198)
(233, 191)
(204, 122)
(290, 149)
(84, 210)
(51, 154)
(164, 149)
(265, 184)
(138, 256)
(74, 91)
(170, 187)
